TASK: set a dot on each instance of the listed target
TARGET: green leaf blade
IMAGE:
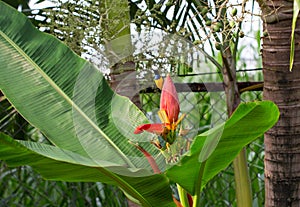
(19, 59)
(65, 96)
(70, 102)
(247, 123)
(57, 164)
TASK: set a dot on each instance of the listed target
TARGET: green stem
(242, 180)
(183, 196)
(197, 196)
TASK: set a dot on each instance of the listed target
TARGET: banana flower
(168, 114)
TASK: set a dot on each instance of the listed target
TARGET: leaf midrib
(65, 97)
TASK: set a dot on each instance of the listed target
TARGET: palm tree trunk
(282, 142)
(119, 49)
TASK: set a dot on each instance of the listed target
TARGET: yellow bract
(164, 119)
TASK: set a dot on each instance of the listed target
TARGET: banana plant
(91, 129)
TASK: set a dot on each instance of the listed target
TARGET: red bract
(169, 101)
(168, 114)
(153, 128)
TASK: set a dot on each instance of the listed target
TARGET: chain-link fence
(211, 106)
(23, 187)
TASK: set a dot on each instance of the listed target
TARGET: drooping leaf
(70, 102)
(219, 146)
(54, 163)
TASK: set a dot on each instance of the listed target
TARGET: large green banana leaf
(58, 164)
(70, 102)
(215, 149)
(65, 96)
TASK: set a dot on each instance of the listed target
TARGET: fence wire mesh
(220, 191)
(23, 187)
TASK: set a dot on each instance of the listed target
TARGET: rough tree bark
(282, 142)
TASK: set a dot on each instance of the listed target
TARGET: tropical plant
(192, 17)
(91, 137)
